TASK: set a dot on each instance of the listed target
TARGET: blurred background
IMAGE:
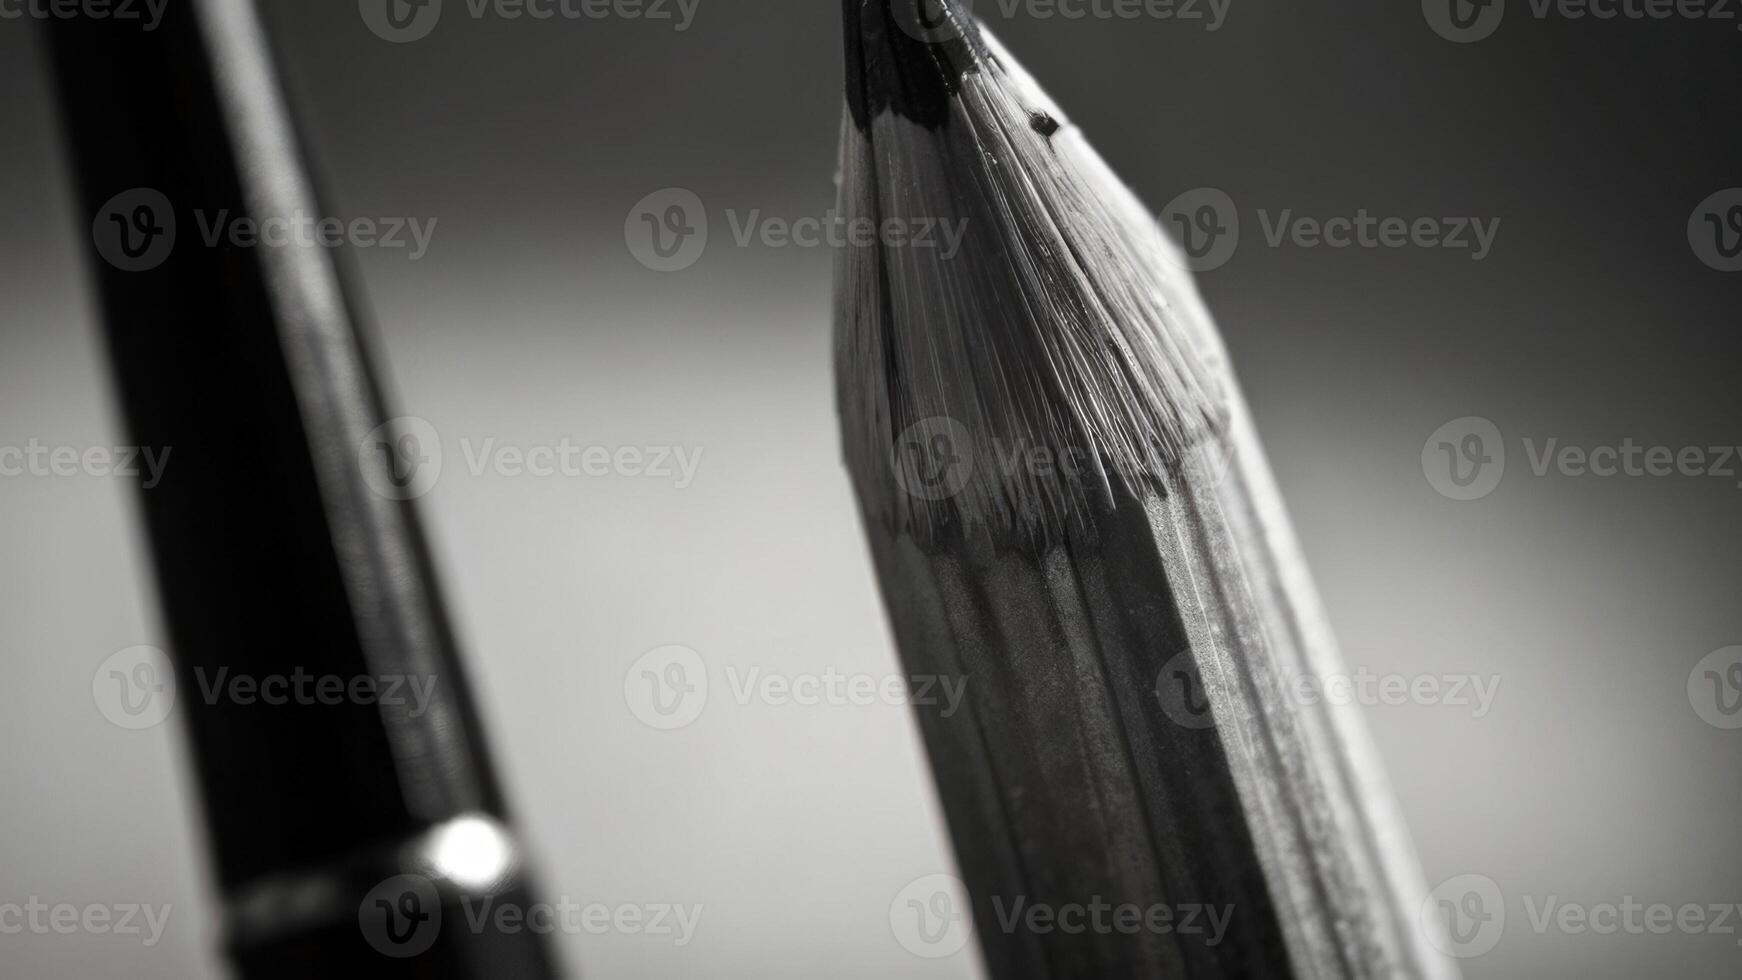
(1595, 775)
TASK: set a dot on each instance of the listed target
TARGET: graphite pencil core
(907, 57)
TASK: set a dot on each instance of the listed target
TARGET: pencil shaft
(274, 558)
(1070, 513)
(1128, 735)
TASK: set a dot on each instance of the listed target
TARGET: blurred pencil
(1068, 507)
(276, 550)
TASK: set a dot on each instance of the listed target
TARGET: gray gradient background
(1591, 322)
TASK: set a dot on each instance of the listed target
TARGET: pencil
(339, 828)
(1067, 506)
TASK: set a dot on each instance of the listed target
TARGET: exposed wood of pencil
(1127, 628)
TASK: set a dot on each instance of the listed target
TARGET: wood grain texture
(1071, 513)
(1130, 734)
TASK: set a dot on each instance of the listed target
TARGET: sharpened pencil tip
(907, 57)
(1016, 303)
